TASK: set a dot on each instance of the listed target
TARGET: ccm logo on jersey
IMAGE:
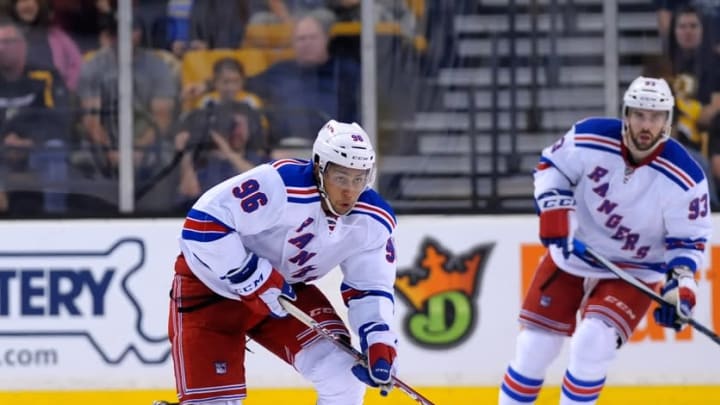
(83, 294)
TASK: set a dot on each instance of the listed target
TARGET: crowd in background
(690, 34)
(219, 86)
(223, 85)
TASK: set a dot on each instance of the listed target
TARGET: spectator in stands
(685, 127)
(688, 110)
(689, 54)
(218, 23)
(691, 57)
(154, 16)
(49, 47)
(218, 142)
(228, 85)
(665, 9)
(82, 19)
(155, 89)
(708, 10)
(178, 25)
(34, 126)
(302, 93)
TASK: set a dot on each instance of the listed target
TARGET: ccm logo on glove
(562, 202)
(557, 219)
(260, 285)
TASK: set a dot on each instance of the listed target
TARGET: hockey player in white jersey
(633, 194)
(266, 233)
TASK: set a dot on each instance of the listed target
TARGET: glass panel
(689, 63)
(469, 92)
(42, 115)
(499, 81)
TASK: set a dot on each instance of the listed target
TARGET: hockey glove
(260, 286)
(679, 291)
(378, 344)
(557, 219)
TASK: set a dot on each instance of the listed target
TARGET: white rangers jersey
(646, 218)
(274, 211)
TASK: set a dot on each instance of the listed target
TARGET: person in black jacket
(302, 93)
(34, 125)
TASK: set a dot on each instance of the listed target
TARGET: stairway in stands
(569, 87)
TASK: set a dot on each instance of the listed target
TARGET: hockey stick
(306, 319)
(580, 249)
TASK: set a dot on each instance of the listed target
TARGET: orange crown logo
(437, 271)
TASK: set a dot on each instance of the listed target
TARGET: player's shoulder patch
(372, 204)
(297, 176)
(603, 134)
(676, 163)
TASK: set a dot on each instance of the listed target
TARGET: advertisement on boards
(83, 305)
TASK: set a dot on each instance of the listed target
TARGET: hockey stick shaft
(306, 319)
(581, 249)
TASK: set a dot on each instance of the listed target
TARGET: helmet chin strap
(323, 194)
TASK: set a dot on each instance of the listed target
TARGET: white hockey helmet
(649, 93)
(346, 145)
